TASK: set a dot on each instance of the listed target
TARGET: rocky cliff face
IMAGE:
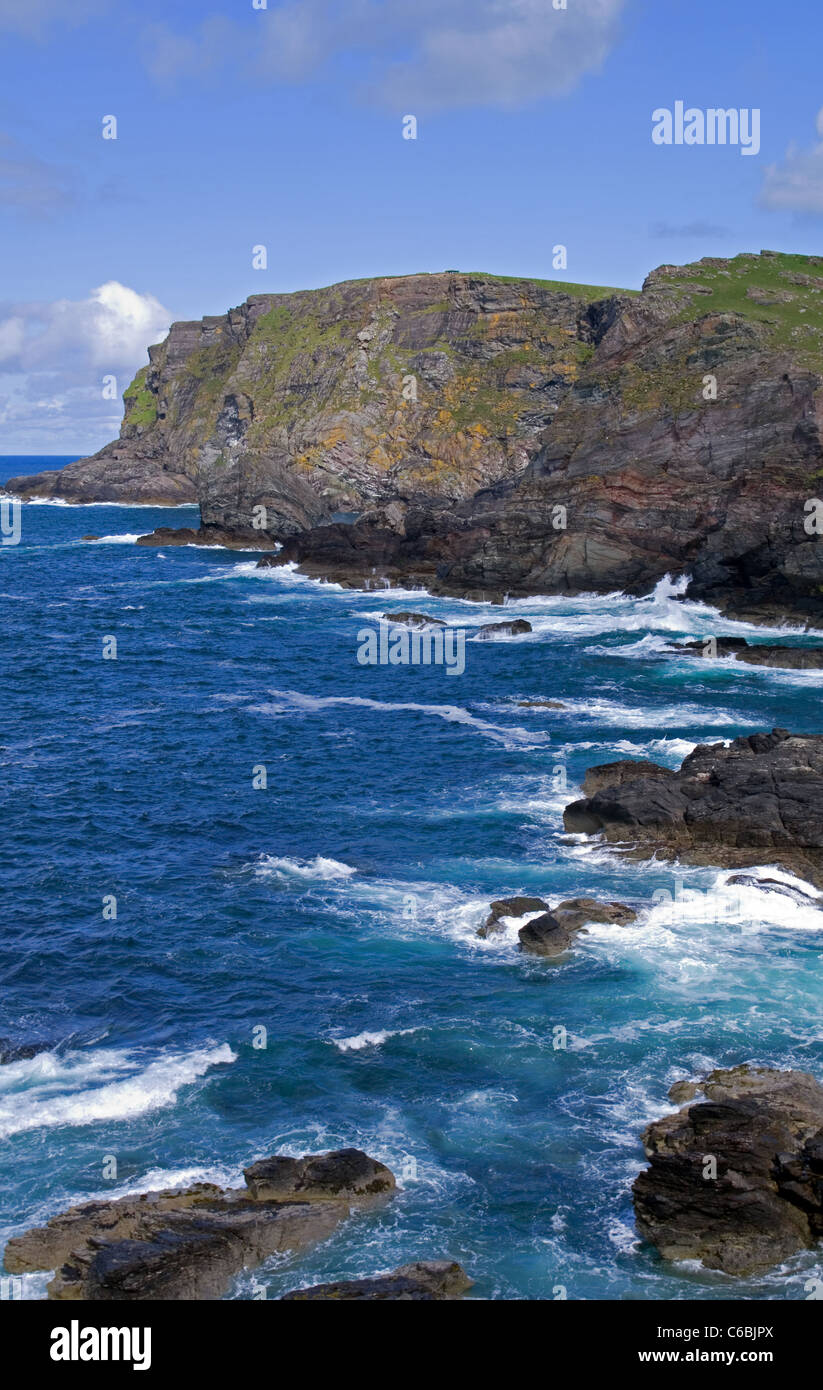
(497, 435)
(688, 443)
(372, 393)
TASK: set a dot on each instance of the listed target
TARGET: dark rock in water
(790, 658)
(223, 537)
(423, 1281)
(764, 1130)
(724, 646)
(509, 907)
(614, 774)
(554, 932)
(775, 885)
(21, 1052)
(413, 620)
(516, 628)
(762, 796)
(190, 1243)
(762, 654)
(544, 936)
(346, 1173)
(540, 704)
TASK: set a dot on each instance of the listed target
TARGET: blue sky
(282, 126)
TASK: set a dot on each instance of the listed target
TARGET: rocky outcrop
(495, 923)
(760, 798)
(413, 620)
(365, 397)
(759, 653)
(424, 1281)
(553, 933)
(516, 628)
(115, 475)
(190, 1243)
(247, 539)
(735, 1180)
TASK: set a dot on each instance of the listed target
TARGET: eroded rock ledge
(759, 799)
(190, 1243)
(764, 1131)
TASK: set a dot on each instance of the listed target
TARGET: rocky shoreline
(760, 798)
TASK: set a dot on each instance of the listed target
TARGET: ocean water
(338, 907)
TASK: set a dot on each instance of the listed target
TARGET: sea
(244, 875)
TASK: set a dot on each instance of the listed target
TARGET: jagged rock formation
(761, 1199)
(425, 1281)
(760, 798)
(190, 1243)
(368, 394)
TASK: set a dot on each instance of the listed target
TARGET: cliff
(496, 435)
(688, 443)
(422, 388)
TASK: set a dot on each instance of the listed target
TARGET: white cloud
(110, 330)
(54, 355)
(796, 185)
(430, 53)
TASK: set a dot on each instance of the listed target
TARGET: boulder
(554, 932)
(190, 1243)
(761, 1199)
(345, 1173)
(423, 1281)
(509, 907)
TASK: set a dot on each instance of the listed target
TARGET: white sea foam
(513, 737)
(80, 1088)
(362, 1040)
(127, 538)
(270, 866)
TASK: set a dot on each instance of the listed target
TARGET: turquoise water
(338, 907)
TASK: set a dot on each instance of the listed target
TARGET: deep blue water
(338, 907)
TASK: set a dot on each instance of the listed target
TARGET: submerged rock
(540, 704)
(761, 1198)
(21, 1052)
(423, 1281)
(760, 797)
(413, 620)
(515, 628)
(190, 1243)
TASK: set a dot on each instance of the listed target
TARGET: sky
(280, 123)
